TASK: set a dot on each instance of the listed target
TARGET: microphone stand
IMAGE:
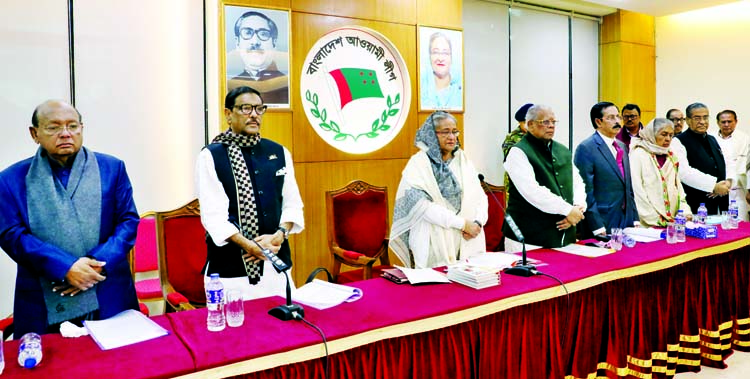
(286, 311)
(522, 267)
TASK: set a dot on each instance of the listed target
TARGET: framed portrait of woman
(256, 52)
(440, 69)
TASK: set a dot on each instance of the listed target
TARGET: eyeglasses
(630, 116)
(263, 34)
(53, 130)
(442, 53)
(247, 109)
(546, 122)
(676, 120)
(445, 133)
(699, 118)
(612, 118)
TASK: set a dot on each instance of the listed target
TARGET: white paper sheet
(323, 295)
(585, 251)
(423, 275)
(493, 260)
(125, 328)
(644, 234)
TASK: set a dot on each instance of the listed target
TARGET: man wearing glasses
(255, 36)
(704, 154)
(678, 119)
(631, 116)
(247, 190)
(68, 220)
(547, 197)
(605, 168)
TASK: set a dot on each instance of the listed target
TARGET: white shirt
(735, 150)
(610, 143)
(688, 175)
(215, 203)
(521, 173)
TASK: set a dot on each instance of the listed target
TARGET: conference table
(648, 311)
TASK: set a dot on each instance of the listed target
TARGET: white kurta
(735, 150)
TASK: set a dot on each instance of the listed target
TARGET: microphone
(287, 311)
(522, 267)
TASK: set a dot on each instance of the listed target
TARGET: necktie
(620, 153)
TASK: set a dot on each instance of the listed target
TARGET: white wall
(536, 50)
(703, 56)
(486, 114)
(139, 87)
(34, 56)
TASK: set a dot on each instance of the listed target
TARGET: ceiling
(661, 7)
(651, 7)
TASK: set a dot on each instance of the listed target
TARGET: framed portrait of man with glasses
(256, 51)
(440, 69)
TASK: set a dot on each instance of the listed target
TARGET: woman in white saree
(440, 205)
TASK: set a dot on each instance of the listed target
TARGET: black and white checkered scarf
(248, 212)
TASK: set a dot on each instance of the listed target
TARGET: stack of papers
(323, 295)
(474, 276)
(125, 328)
(644, 234)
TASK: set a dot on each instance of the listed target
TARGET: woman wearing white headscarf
(656, 183)
(440, 205)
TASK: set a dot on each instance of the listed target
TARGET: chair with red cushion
(358, 230)
(182, 254)
(144, 264)
(6, 326)
(493, 229)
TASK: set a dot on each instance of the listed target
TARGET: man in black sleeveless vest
(703, 154)
(247, 190)
(546, 195)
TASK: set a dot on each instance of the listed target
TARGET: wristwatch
(284, 232)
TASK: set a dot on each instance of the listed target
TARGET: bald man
(68, 220)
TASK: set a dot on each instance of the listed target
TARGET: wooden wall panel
(310, 248)
(628, 61)
(277, 126)
(396, 11)
(440, 13)
(308, 28)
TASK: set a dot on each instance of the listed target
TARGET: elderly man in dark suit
(604, 165)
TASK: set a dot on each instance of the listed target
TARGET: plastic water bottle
(30, 350)
(2, 360)
(627, 240)
(680, 220)
(702, 214)
(734, 214)
(215, 304)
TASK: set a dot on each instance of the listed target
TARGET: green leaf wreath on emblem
(379, 125)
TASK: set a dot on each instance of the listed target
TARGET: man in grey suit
(604, 165)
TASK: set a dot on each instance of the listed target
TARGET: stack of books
(474, 276)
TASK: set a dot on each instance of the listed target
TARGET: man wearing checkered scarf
(247, 190)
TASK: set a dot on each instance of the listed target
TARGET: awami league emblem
(355, 89)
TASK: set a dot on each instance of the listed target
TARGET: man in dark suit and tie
(604, 165)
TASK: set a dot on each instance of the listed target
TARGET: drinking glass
(671, 233)
(235, 308)
(726, 220)
(615, 240)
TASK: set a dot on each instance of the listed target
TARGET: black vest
(704, 155)
(264, 161)
(553, 170)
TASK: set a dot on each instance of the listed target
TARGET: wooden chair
(358, 227)
(144, 265)
(493, 229)
(182, 255)
(6, 328)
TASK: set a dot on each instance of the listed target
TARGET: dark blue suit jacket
(35, 258)
(609, 196)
